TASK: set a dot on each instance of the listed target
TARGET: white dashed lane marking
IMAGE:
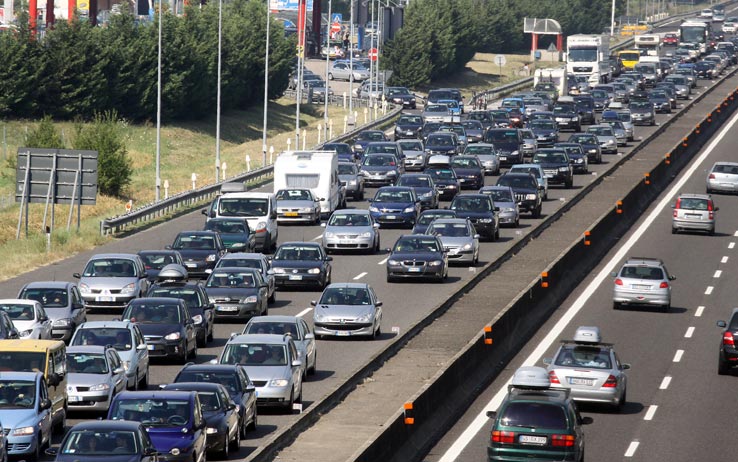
(665, 383)
(731, 245)
(708, 291)
(678, 355)
(316, 238)
(699, 311)
(717, 274)
(360, 276)
(304, 312)
(383, 261)
(690, 331)
(650, 412)
(724, 260)
(632, 448)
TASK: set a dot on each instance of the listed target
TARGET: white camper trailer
(314, 170)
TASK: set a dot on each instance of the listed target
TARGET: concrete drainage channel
(396, 439)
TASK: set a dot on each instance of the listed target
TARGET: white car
(28, 317)
(729, 27)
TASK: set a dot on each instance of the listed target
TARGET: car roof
(353, 211)
(100, 349)
(309, 244)
(106, 325)
(646, 261)
(260, 338)
(235, 269)
(48, 284)
(13, 375)
(198, 233)
(254, 255)
(98, 256)
(451, 220)
(348, 285)
(19, 301)
(274, 318)
(107, 425)
(155, 394)
(193, 386)
(161, 251)
(162, 300)
(208, 367)
(395, 188)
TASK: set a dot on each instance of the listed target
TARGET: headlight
(610, 142)
(279, 382)
(314, 271)
(84, 288)
(197, 319)
(358, 146)
(26, 333)
(393, 262)
(329, 235)
(211, 257)
(485, 220)
(128, 288)
(514, 153)
(466, 247)
(579, 161)
(126, 365)
(563, 169)
(173, 336)
(250, 299)
(100, 387)
(392, 173)
(306, 210)
(508, 209)
(63, 322)
(174, 451)
(428, 194)
(373, 209)
(409, 209)
(365, 318)
(451, 186)
(352, 182)
(530, 197)
(366, 234)
(318, 317)
(435, 263)
(211, 431)
(23, 431)
(278, 270)
(261, 226)
(592, 151)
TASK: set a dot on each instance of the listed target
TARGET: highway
(678, 405)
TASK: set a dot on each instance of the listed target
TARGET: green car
(535, 422)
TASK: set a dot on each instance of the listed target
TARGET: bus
(696, 32)
(629, 58)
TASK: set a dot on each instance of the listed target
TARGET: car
(508, 142)
(601, 99)
(537, 171)
(660, 101)
(729, 27)
(417, 257)
(234, 232)
(557, 166)
(566, 117)
(28, 318)
(427, 217)
(694, 212)
(220, 413)
(365, 137)
(705, 70)
(301, 264)
(166, 325)
(97, 440)
(530, 143)
(408, 126)
(172, 282)
(351, 229)
(237, 293)
(728, 355)
(296, 205)
(446, 143)
(437, 112)
(129, 343)
(722, 178)
(481, 211)
(500, 118)
(383, 147)
(504, 199)
(155, 260)
(301, 332)
(681, 85)
(589, 369)
(342, 70)
(643, 113)
(642, 281)
(590, 144)
(468, 171)
(618, 129)
(414, 155)
(625, 117)
(579, 160)
(343, 151)
(347, 310)
(200, 251)
(606, 136)
(351, 179)
(535, 420)
(586, 108)
(428, 128)
(459, 238)
(381, 169)
(395, 205)
(474, 130)
(706, 13)
(527, 191)
(236, 382)
(258, 208)
(108, 281)
(425, 188)
(487, 156)
(445, 181)
(369, 89)
(460, 131)
(95, 374)
(172, 419)
(63, 301)
(401, 95)
(272, 363)
(318, 90)
(25, 413)
(258, 261)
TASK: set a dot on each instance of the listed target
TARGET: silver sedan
(28, 317)
(348, 310)
(351, 229)
(297, 205)
(723, 177)
(95, 375)
(459, 239)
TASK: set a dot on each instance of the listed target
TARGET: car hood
(25, 325)
(229, 239)
(348, 229)
(107, 282)
(267, 373)
(166, 438)
(158, 329)
(295, 204)
(297, 264)
(59, 313)
(465, 171)
(486, 157)
(604, 138)
(415, 256)
(505, 147)
(392, 205)
(96, 458)
(77, 379)
(336, 312)
(474, 132)
(587, 146)
(348, 177)
(362, 143)
(552, 164)
(470, 214)
(446, 181)
(420, 190)
(640, 111)
(524, 190)
(456, 241)
(235, 293)
(409, 126)
(377, 169)
(16, 418)
(196, 254)
(444, 148)
(127, 355)
(505, 205)
(543, 131)
(413, 153)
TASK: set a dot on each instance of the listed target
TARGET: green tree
(45, 135)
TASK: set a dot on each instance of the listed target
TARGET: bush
(44, 136)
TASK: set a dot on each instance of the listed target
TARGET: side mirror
(44, 404)
(722, 324)
(54, 379)
(587, 420)
(273, 215)
(717, 208)
(118, 370)
(77, 275)
(250, 388)
(168, 247)
(375, 226)
(147, 452)
(231, 406)
(388, 249)
(204, 212)
(378, 303)
(491, 414)
(51, 451)
(322, 225)
(672, 277)
(625, 366)
(614, 274)
(313, 302)
(547, 361)
(296, 363)
(477, 236)
(329, 258)
(141, 347)
(497, 209)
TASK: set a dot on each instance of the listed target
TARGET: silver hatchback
(723, 177)
(642, 281)
(351, 229)
(459, 239)
(693, 212)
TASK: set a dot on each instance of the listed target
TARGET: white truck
(557, 76)
(588, 55)
(649, 42)
(314, 170)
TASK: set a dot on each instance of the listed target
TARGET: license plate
(462, 180)
(74, 399)
(503, 158)
(344, 241)
(413, 270)
(640, 286)
(104, 299)
(227, 308)
(191, 265)
(580, 381)
(694, 215)
(548, 175)
(409, 132)
(290, 214)
(342, 333)
(390, 217)
(150, 347)
(528, 439)
(295, 277)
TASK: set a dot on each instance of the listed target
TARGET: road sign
(500, 60)
(282, 5)
(336, 20)
(373, 54)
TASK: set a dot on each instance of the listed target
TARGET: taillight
(709, 206)
(503, 437)
(728, 339)
(562, 441)
(712, 176)
(618, 282)
(664, 285)
(611, 382)
(552, 377)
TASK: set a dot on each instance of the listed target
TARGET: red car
(671, 39)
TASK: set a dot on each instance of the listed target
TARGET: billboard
(281, 5)
(56, 175)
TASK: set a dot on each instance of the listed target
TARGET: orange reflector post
(667, 159)
(586, 238)
(684, 142)
(544, 279)
(619, 207)
(409, 414)
(647, 178)
(488, 335)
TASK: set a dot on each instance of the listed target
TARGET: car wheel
(497, 234)
(223, 454)
(236, 443)
(202, 341)
(288, 407)
(711, 232)
(723, 367)
(312, 370)
(210, 332)
(143, 384)
(537, 212)
(267, 243)
(273, 297)
(390, 278)
(517, 223)
(254, 422)
(37, 453)
(673, 230)
(569, 184)
(616, 305)
(708, 190)
(330, 76)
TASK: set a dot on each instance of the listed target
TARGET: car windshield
(499, 195)
(641, 105)
(518, 182)
(472, 125)
(272, 327)
(298, 252)
(294, 195)
(194, 242)
(415, 181)
(543, 124)
(100, 443)
(624, 116)
(582, 139)
(340, 148)
(157, 261)
(601, 131)
(439, 140)
(109, 267)
(441, 173)
(346, 169)
(19, 311)
(17, 394)
(449, 229)
(599, 94)
(410, 145)
(255, 354)
(426, 218)
(119, 338)
(393, 196)
(226, 226)
(189, 295)
(726, 168)
(536, 171)
(416, 244)
(231, 279)
(658, 95)
(87, 363)
(379, 160)
(352, 219)
(345, 296)
(530, 414)
(471, 204)
(227, 379)
(243, 207)
(503, 135)
(550, 157)
(255, 263)
(465, 162)
(407, 119)
(442, 108)
(210, 401)
(153, 313)
(152, 412)
(593, 357)
(381, 149)
(480, 150)
(572, 150)
(689, 203)
(653, 273)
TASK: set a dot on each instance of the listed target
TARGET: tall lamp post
(217, 116)
(158, 111)
(327, 66)
(266, 92)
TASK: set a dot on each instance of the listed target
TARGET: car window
(120, 338)
(273, 327)
(254, 354)
(583, 356)
(534, 415)
(49, 298)
(693, 204)
(642, 272)
(87, 363)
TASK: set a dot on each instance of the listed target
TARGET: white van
(258, 208)
(313, 170)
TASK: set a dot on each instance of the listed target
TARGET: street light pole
(351, 62)
(327, 66)
(612, 20)
(217, 116)
(266, 92)
(372, 82)
(158, 112)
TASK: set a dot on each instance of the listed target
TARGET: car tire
(569, 184)
(223, 454)
(622, 401)
(288, 407)
(496, 236)
(723, 367)
(143, 384)
(673, 230)
(517, 223)
(235, 445)
(314, 369)
(390, 279)
(254, 423)
(38, 452)
(536, 212)
(330, 77)
(202, 343)
(616, 306)
(267, 243)
(210, 333)
(711, 232)
(272, 298)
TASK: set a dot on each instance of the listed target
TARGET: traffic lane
(632, 331)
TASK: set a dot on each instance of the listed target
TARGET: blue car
(395, 205)
(97, 440)
(25, 413)
(173, 420)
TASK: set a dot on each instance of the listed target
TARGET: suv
(509, 143)
(481, 211)
(556, 166)
(527, 191)
(642, 281)
(535, 420)
(694, 212)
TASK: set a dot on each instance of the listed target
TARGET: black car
(601, 99)
(474, 131)
(500, 118)
(96, 440)
(556, 166)
(480, 209)
(172, 283)
(238, 293)
(705, 70)
(200, 251)
(343, 150)
(545, 131)
(155, 260)
(7, 329)
(508, 143)
(586, 108)
(428, 216)
(442, 143)
(220, 413)
(527, 193)
(579, 160)
(234, 232)
(642, 112)
(381, 169)
(728, 357)
(425, 188)
(401, 95)
(301, 264)
(235, 380)
(408, 126)
(469, 171)
(660, 101)
(445, 180)
(417, 257)
(590, 145)
(166, 325)
(483, 117)
(428, 128)
(567, 115)
(367, 136)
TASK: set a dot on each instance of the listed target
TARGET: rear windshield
(723, 168)
(583, 356)
(534, 415)
(642, 272)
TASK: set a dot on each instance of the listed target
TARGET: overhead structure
(545, 26)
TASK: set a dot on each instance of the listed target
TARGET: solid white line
(708, 291)
(651, 411)
(317, 238)
(699, 311)
(690, 331)
(481, 419)
(383, 261)
(304, 312)
(631, 448)
(678, 356)
(360, 276)
(717, 274)
(724, 260)
(665, 383)
(731, 245)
